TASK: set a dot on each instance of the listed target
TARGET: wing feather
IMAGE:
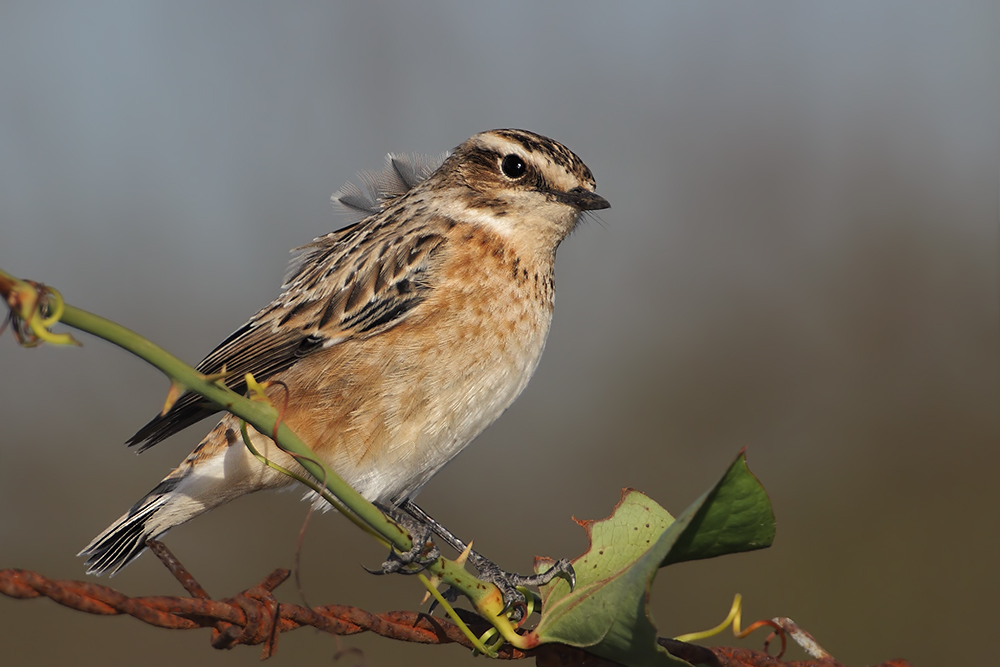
(354, 283)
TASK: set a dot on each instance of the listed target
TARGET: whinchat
(398, 338)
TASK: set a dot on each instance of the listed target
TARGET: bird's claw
(561, 569)
(414, 561)
(449, 594)
(509, 582)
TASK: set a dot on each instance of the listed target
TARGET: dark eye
(513, 166)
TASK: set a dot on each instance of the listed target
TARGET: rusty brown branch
(256, 617)
(251, 617)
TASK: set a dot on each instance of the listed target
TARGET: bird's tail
(125, 540)
(217, 471)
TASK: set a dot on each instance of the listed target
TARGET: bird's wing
(354, 283)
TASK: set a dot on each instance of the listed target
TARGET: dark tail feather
(125, 540)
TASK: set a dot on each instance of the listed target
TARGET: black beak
(584, 200)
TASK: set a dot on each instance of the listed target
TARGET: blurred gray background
(801, 259)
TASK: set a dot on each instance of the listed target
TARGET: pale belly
(449, 412)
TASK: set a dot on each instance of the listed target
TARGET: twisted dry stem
(251, 617)
(255, 617)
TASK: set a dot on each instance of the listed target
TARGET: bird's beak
(582, 199)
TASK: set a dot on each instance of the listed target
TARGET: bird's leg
(418, 554)
(489, 571)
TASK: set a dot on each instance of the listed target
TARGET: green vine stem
(33, 310)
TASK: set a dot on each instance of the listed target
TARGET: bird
(394, 342)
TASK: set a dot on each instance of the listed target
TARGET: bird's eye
(513, 166)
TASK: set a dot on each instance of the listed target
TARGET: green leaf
(734, 516)
(607, 613)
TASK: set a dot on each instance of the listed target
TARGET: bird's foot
(509, 582)
(421, 555)
(414, 561)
